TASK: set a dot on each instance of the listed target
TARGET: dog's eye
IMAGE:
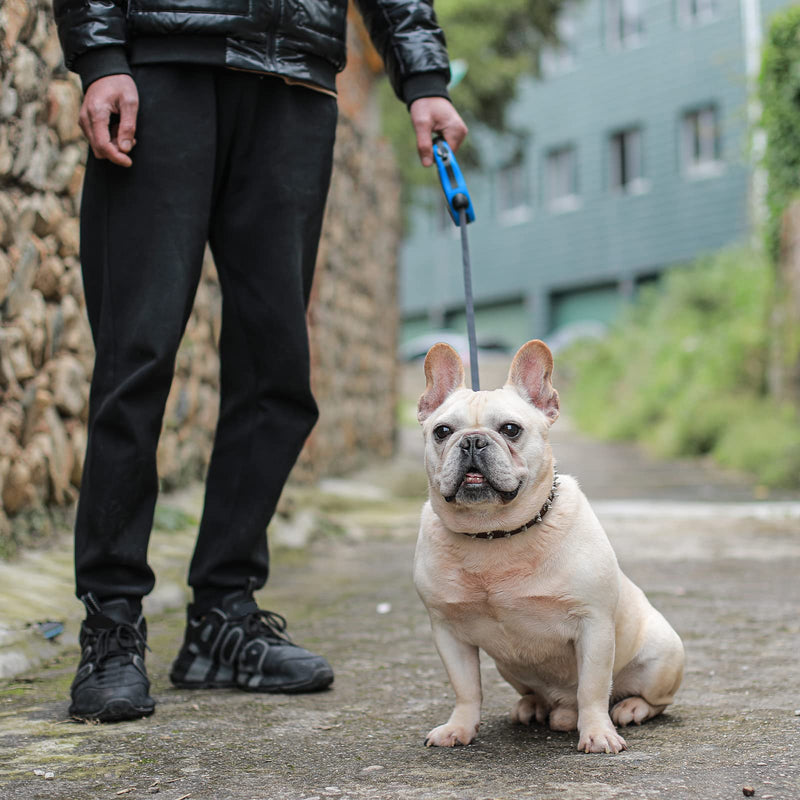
(442, 432)
(510, 430)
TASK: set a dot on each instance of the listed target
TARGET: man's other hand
(114, 94)
(431, 115)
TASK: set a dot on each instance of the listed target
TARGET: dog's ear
(530, 375)
(444, 373)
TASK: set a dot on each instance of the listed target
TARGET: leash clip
(453, 184)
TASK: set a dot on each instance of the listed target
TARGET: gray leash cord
(470, 306)
(461, 212)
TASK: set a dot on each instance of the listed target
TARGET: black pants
(242, 162)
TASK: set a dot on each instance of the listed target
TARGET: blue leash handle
(453, 184)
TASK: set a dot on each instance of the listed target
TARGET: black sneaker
(111, 683)
(237, 645)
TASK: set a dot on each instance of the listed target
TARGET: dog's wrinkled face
(486, 448)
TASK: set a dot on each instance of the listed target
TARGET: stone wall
(353, 314)
(46, 352)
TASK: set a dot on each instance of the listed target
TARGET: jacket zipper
(274, 30)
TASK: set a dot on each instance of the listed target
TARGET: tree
(780, 99)
(499, 42)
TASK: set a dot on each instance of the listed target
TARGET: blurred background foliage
(498, 43)
(780, 119)
(683, 371)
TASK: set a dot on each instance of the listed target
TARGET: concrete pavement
(721, 566)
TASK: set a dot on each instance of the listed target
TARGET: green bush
(765, 439)
(683, 371)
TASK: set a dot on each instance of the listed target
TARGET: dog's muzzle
(473, 449)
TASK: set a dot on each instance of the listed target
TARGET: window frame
(624, 31)
(514, 171)
(699, 159)
(570, 199)
(693, 13)
(626, 163)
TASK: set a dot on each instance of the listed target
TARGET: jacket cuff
(101, 62)
(425, 84)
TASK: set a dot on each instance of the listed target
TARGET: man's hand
(114, 94)
(431, 115)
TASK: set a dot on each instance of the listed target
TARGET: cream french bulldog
(511, 560)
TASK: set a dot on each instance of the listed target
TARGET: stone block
(54, 442)
(5, 275)
(32, 322)
(50, 52)
(18, 491)
(74, 186)
(26, 140)
(15, 18)
(69, 384)
(43, 160)
(17, 365)
(72, 282)
(35, 403)
(48, 214)
(26, 71)
(36, 457)
(77, 436)
(24, 219)
(9, 99)
(63, 105)
(69, 237)
(77, 336)
(6, 153)
(8, 216)
(48, 278)
(62, 174)
(41, 30)
(12, 420)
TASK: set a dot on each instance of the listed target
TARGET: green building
(631, 154)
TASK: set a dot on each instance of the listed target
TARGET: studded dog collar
(548, 504)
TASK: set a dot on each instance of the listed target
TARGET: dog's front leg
(594, 649)
(462, 662)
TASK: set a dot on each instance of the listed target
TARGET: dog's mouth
(476, 483)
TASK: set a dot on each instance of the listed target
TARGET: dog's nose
(473, 442)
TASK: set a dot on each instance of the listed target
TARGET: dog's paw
(448, 735)
(634, 710)
(601, 739)
(528, 708)
(563, 719)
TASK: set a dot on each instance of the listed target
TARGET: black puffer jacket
(300, 40)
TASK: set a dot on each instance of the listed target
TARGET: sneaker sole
(113, 711)
(317, 683)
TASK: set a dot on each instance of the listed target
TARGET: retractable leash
(460, 207)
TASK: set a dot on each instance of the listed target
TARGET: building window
(512, 191)
(697, 12)
(561, 179)
(626, 161)
(624, 23)
(700, 149)
(559, 59)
